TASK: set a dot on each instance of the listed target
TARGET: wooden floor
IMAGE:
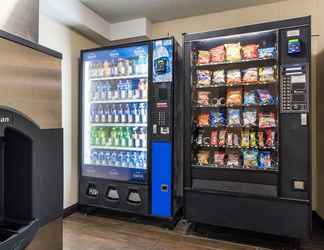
(102, 233)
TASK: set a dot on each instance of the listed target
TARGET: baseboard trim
(319, 219)
(70, 210)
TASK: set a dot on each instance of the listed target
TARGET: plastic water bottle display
(136, 114)
(161, 62)
(123, 114)
(143, 112)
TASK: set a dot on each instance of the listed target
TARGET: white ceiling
(162, 10)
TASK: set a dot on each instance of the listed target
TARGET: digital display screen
(162, 61)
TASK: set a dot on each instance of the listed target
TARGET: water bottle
(161, 62)
(107, 157)
(120, 112)
(101, 114)
(137, 140)
(115, 113)
(117, 91)
(113, 159)
(130, 117)
(127, 113)
(130, 92)
(128, 161)
(109, 91)
(137, 92)
(97, 115)
(101, 157)
(143, 113)
(123, 161)
(108, 114)
(142, 136)
(103, 91)
(93, 112)
(123, 114)
(119, 159)
(136, 160)
(137, 116)
(123, 90)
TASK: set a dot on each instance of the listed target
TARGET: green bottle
(102, 135)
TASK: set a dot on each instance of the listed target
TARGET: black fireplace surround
(31, 178)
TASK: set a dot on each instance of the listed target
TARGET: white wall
(62, 39)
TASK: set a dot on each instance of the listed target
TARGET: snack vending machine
(247, 141)
(129, 148)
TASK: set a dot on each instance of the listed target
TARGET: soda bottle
(123, 116)
(119, 159)
(143, 136)
(130, 92)
(126, 112)
(107, 157)
(101, 157)
(94, 157)
(128, 160)
(136, 160)
(130, 117)
(128, 136)
(129, 67)
(120, 112)
(96, 95)
(113, 159)
(93, 92)
(101, 114)
(114, 113)
(103, 137)
(137, 92)
(144, 160)
(136, 114)
(97, 115)
(109, 91)
(94, 136)
(103, 91)
(144, 89)
(143, 112)
(107, 112)
(141, 160)
(93, 113)
(137, 140)
(123, 140)
(117, 91)
(106, 68)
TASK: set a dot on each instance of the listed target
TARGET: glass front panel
(235, 102)
(115, 95)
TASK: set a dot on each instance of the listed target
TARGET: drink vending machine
(247, 134)
(130, 148)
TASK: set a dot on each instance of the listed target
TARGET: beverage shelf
(119, 124)
(225, 85)
(120, 101)
(240, 168)
(118, 77)
(120, 148)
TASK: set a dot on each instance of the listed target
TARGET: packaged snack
(214, 138)
(245, 141)
(267, 74)
(234, 117)
(203, 57)
(249, 118)
(270, 52)
(250, 75)
(218, 77)
(270, 138)
(261, 139)
(250, 51)
(233, 52)
(265, 160)
(217, 54)
(250, 159)
(265, 97)
(203, 98)
(236, 140)
(219, 158)
(250, 98)
(222, 138)
(234, 76)
(217, 119)
(199, 140)
(203, 157)
(253, 140)
(203, 78)
(233, 160)
(267, 120)
(203, 120)
(234, 97)
(229, 141)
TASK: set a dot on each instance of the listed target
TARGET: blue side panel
(161, 179)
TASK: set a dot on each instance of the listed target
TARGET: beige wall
(265, 13)
(62, 39)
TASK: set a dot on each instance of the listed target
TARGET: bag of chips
(217, 119)
(270, 52)
(222, 138)
(203, 78)
(261, 139)
(233, 52)
(214, 138)
(270, 138)
(203, 98)
(234, 97)
(267, 74)
(265, 160)
(217, 54)
(250, 51)
(265, 97)
(249, 118)
(229, 141)
(203, 120)
(250, 158)
(233, 117)
(234, 76)
(267, 120)
(250, 98)
(250, 75)
(218, 77)
(203, 57)
(236, 140)
(219, 158)
(203, 157)
(253, 140)
(233, 160)
(245, 140)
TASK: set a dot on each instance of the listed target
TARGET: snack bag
(203, 157)
(270, 52)
(253, 140)
(261, 139)
(229, 141)
(265, 160)
(236, 140)
(219, 158)
(203, 98)
(203, 78)
(218, 77)
(203, 120)
(233, 52)
(249, 118)
(270, 138)
(250, 75)
(222, 138)
(234, 76)
(217, 54)
(265, 97)
(234, 97)
(250, 51)
(250, 159)
(214, 138)
(233, 160)
(199, 139)
(245, 141)
(203, 57)
(217, 119)
(267, 120)
(234, 117)
(250, 98)
(267, 74)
